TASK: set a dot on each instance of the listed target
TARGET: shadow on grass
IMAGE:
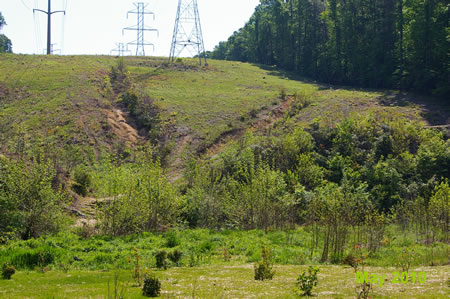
(436, 111)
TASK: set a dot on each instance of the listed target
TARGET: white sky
(95, 26)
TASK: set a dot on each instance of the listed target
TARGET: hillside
(207, 179)
(62, 105)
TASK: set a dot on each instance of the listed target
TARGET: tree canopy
(5, 42)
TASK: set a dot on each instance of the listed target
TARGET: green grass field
(203, 271)
(220, 281)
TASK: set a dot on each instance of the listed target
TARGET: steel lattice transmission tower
(187, 33)
(140, 42)
(121, 49)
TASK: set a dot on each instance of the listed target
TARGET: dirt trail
(84, 208)
(117, 119)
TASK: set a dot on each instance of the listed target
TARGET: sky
(95, 26)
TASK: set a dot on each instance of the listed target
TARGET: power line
(49, 13)
(187, 33)
(26, 6)
(140, 28)
(121, 49)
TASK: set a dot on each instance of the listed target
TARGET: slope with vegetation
(380, 43)
(148, 154)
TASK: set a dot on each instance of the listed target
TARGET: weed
(137, 271)
(226, 255)
(364, 288)
(406, 258)
(253, 113)
(7, 271)
(82, 181)
(175, 256)
(352, 261)
(307, 281)
(152, 286)
(283, 93)
(264, 269)
(172, 239)
(161, 259)
(119, 289)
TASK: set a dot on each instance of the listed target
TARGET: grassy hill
(62, 105)
(250, 157)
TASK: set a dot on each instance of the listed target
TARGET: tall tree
(5, 42)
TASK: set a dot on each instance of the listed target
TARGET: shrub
(172, 239)
(306, 282)
(7, 271)
(406, 258)
(30, 206)
(82, 181)
(226, 255)
(352, 261)
(175, 256)
(137, 266)
(263, 269)
(31, 258)
(161, 259)
(144, 199)
(283, 93)
(152, 287)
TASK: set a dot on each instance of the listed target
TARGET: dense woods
(400, 44)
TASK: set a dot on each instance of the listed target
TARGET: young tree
(29, 206)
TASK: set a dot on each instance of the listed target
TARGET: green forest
(401, 44)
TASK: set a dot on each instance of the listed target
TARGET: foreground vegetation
(125, 171)
(213, 265)
(216, 281)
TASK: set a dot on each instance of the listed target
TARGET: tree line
(5, 42)
(400, 44)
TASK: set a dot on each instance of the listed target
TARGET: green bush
(7, 271)
(82, 181)
(283, 93)
(172, 239)
(161, 259)
(29, 203)
(152, 287)
(264, 268)
(175, 256)
(144, 199)
(306, 282)
(23, 258)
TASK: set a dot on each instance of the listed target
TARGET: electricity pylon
(140, 27)
(187, 33)
(121, 49)
(49, 13)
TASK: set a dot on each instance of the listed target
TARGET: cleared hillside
(63, 105)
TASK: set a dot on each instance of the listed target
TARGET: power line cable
(26, 6)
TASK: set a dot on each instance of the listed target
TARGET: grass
(204, 272)
(200, 247)
(58, 103)
(205, 100)
(219, 281)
